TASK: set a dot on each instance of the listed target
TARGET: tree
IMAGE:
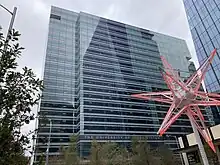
(122, 157)
(95, 153)
(166, 156)
(109, 153)
(19, 92)
(41, 160)
(55, 160)
(103, 153)
(70, 153)
(142, 153)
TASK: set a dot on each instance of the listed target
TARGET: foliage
(41, 160)
(108, 153)
(19, 92)
(95, 158)
(67, 155)
(142, 153)
(55, 160)
(166, 156)
(70, 153)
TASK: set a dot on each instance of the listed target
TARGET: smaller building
(189, 148)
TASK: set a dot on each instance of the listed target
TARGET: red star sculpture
(184, 97)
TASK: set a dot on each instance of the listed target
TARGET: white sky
(164, 16)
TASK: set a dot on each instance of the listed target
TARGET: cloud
(112, 11)
(40, 8)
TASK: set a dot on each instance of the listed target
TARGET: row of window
(113, 69)
(151, 69)
(115, 128)
(121, 104)
(128, 79)
(120, 112)
(56, 130)
(129, 39)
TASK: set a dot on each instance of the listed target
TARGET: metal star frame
(184, 98)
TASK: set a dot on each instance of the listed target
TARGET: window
(55, 16)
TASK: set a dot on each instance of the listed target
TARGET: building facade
(92, 67)
(204, 21)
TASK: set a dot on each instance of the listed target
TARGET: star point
(184, 97)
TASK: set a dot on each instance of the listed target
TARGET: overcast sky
(165, 16)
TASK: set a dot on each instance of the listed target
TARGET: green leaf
(17, 96)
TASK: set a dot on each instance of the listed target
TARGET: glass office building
(92, 67)
(204, 21)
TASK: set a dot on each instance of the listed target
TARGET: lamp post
(48, 144)
(11, 22)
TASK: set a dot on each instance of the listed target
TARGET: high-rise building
(92, 67)
(204, 21)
